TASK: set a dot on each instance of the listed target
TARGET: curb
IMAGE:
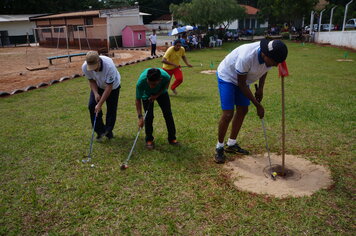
(65, 78)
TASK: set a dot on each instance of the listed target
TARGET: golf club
(198, 65)
(269, 158)
(124, 165)
(264, 132)
(91, 142)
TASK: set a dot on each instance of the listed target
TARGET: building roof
(99, 13)
(66, 15)
(250, 10)
(137, 27)
(13, 18)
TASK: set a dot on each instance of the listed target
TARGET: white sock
(231, 142)
(219, 145)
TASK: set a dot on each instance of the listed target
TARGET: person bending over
(151, 86)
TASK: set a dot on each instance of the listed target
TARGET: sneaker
(174, 142)
(150, 145)
(219, 155)
(100, 137)
(109, 135)
(236, 149)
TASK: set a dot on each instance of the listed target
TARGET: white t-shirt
(108, 75)
(243, 60)
(153, 38)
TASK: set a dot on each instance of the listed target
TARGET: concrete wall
(18, 28)
(117, 24)
(337, 38)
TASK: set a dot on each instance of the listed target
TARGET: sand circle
(344, 60)
(304, 178)
(208, 72)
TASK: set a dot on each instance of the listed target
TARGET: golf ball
(92, 165)
(274, 174)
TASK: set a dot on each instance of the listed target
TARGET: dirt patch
(344, 60)
(14, 61)
(249, 174)
(208, 72)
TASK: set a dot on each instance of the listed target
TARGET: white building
(16, 29)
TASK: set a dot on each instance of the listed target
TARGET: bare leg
(238, 120)
(225, 119)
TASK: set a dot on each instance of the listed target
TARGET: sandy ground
(15, 60)
(249, 174)
(209, 72)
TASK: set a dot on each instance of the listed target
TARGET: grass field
(45, 133)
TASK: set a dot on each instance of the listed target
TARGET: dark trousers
(153, 50)
(111, 107)
(165, 104)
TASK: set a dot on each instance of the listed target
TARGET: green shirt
(143, 90)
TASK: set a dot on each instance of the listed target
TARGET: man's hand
(97, 108)
(260, 111)
(97, 97)
(189, 65)
(140, 122)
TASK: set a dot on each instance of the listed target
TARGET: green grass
(45, 133)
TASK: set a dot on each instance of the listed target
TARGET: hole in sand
(301, 177)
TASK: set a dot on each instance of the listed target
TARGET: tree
(208, 12)
(339, 11)
(281, 11)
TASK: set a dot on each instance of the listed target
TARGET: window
(58, 30)
(78, 28)
(139, 36)
(89, 21)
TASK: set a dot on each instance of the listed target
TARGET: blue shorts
(231, 95)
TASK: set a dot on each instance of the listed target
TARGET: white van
(351, 24)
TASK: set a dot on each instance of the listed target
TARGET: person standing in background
(153, 40)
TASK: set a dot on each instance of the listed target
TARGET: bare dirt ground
(249, 174)
(15, 60)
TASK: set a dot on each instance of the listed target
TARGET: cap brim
(92, 67)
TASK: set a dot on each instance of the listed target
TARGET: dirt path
(13, 63)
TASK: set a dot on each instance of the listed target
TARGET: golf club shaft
(134, 144)
(92, 138)
(264, 131)
(200, 65)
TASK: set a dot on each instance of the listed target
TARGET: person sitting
(218, 41)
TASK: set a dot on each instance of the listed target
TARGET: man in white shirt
(104, 80)
(153, 40)
(242, 67)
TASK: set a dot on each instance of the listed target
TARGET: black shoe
(100, 137)
(109, 135)
(174, 142)
(236, 149)
(219, 155)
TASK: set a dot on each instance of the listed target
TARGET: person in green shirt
(152, 85)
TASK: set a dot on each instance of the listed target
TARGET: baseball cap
(274, 49)
(92, 59)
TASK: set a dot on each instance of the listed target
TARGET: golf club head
(86, 160)
(124, 166)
